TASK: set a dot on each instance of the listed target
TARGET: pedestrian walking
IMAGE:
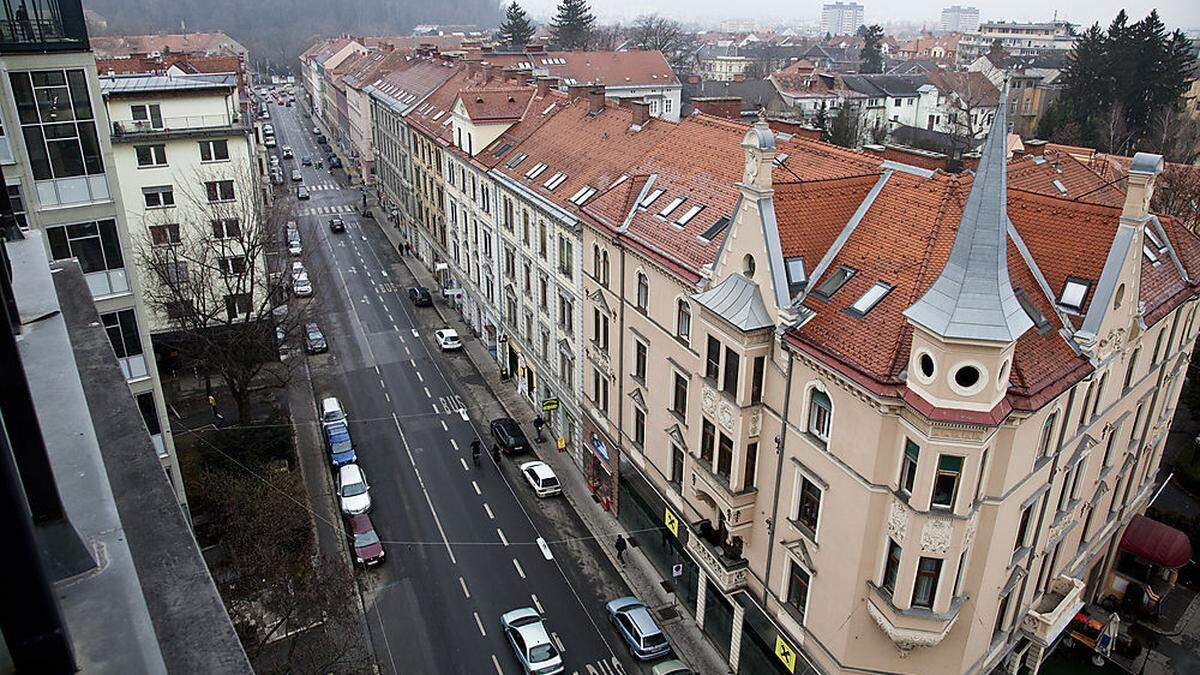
(621, 549)
(538, 423)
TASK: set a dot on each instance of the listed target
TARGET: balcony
(737, 504)
(1055, 610)
(173, 127)
(720, 555)
(912, 627)
(32, 26)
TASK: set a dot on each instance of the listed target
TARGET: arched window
(820, 415)
(596, 261)
(683, 321)
(604, 267)
(643, 291)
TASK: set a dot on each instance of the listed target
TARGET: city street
(462, 542)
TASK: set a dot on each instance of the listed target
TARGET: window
(1133, 359)
(891, 566)
(649, 199)
(808, 507)
(585, 193)
(555, 180)
(122, 332)
(1001, 615)
(159, 197)
(832, 283)
(1035, 314)
(643, 291)
(566, 257)
(219, 190)
(687, 216)
(1023, 527)
(639, 360)
(945, 482)
(17, 204)
(566, 313)
(149, 114)
(1047, 434)
(750, 470)
(536, 170)
(150, 155)
(680, 399)
(674, 204)
(871, 298)
(712, 361)
(908, 466)
(164, 235)
(676, 466)
(517, 159)
(683, 321)
(798, 590)
(600, 390)
(237, 305)
(796, 275)
(57, 123)
(1074, 293)
(233, 266)
(820, 414)
(600, 329)
(1099, 394)
(733, 364)
(226, 228)
(756, 379)
(214, 151)
(94, 244)
(724, 457)
(708, 435)
(639, 427)
(925, 589)
(715, 229)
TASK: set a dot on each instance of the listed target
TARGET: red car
(367, 548)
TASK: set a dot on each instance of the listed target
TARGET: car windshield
(541, 653)
(353, 489)
(315, 335)
(550, 481)
(654, 640)
(368, 538)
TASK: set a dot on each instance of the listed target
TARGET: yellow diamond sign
(786, 653)
(671, 521)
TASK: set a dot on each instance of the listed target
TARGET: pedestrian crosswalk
(327, 210)
(323, 186)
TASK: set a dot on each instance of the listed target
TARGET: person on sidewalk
(621, 549)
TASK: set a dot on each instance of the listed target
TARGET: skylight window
(585, 193)
(555, 180)
(503, 149)
(536, 170)
(1151, 254)
(624, 177)
(1035, 314)
(650, 198)
(1039, 160)
(448, 121)
(716, 228)
(1062, 189)
(689, 214)
(549, 108)
(1074, 293)
(781, 158)
(438, 116)
(797, 276)
(666, 211)
(512, 163)
(834, 282)
(867, 301)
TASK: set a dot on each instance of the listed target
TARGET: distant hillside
(278, 30)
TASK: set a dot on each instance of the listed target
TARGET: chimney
(641, 112)
(473, 69)
(545, 84)
(1035, 146)
(485, 69)
(1139, 185)
(595, 97)
(575, 91)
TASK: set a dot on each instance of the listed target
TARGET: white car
(301, 286)
(447, 339)
(269, 141)
(294, 247)
(353, 493)
(541, 478)
(287, 152)
(331, 410)
(527, 635)
(297, 269)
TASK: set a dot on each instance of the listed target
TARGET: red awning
(1156, 542)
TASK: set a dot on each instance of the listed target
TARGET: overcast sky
(1175, 13)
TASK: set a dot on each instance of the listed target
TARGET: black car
(322, 140)
(314, 339)
(337, 225)
(335, 162)
(507, 434)
(420, 296)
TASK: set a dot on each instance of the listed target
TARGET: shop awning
(1156, 542)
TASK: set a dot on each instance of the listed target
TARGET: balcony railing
(166, 125)
(1054, 611)
(722, 560)
(42, 25)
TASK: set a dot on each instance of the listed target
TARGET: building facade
(959, 19)
(59, 167)
(841, 18)
(1019, 39)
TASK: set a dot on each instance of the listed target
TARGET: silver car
(641, 634)
(527, 635)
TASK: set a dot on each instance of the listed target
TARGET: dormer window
(555, 180)
(797, 276)
(834, 282)
(650, 198)
(867, 301)
(1150, 254)
(1074, 293)
(666, 210)
(689, 214)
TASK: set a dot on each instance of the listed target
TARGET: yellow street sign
(562, 443)
(672, 521)
(786, 653)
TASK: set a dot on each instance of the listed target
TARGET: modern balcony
(1055, 610)
(32, 26)
(166, 128)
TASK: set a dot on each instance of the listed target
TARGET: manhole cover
(668, 613)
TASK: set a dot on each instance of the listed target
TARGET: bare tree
(1114, 130)
(972, 101)
(1178, 194)
(608, 37)
(1175, 135)
(665, 35)
(213, 272)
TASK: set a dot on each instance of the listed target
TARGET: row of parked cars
(354, 494)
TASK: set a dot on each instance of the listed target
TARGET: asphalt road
(461, 541)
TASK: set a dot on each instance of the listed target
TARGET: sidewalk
(638, 572)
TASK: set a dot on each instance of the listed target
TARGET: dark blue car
(337, 441)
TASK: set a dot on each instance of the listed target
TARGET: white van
(331, 411)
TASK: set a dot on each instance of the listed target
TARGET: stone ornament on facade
(906, 639)
(897, 522)
(935, 536)
(725, 415)
(969, 535)
(708, 400)
(755, 425)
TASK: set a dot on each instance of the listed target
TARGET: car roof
(360, 523)
(640, 616)
(350, 472)
(337, 430)
(330, 402)
(534, 633)
(541, 469)
(312, 327)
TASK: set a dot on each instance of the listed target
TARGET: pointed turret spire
(972, 298)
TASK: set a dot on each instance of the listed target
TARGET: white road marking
(463, 582)
(496, 663)
(453, 443)
(420, 377)
(503, 539)
(464, 463)
(383, 272)
(435, 409)
(492, 516)
(537, 604)
(400, 336)
(421, 481)
(377, 371)
(518, 566)
(558, 642)
(387, 396)
(427, 394)
(479, 622)
(406, 351)
(382, 385)
(444, 427)
(415, 333)
(412, 362)
(463, 413)
(476, 486)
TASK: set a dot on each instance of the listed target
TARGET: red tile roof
(613, 69)
(496, 104)
(107, 46)
(1079, 180)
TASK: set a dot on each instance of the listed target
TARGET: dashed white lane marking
(464, 463)
(491, 516)
(382, 384)
(520, 571)
(444, 427)
(412, 362)
(421, 481)
(476, 486)
(420, 377)
(427, 394)
(377, 371)
(558, 642)
(479, 622)
(406, 351)
(453, 443)
(415, 333)
(496, 662)
(503, 539)
(400, 336)
(387, 396)
(435, 409)
(537, 603)
(467, 593)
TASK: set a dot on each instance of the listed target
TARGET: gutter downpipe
(780, 442)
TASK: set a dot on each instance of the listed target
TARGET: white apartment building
(1020, 39)
(183, 154)
(841, 18)
(60, 173)
(959, 19)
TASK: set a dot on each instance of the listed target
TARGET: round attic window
(967, 377)
(925, 365)
(748, 266)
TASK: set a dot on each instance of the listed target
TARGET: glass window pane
(59, 248)
(111, 244)
(92, 158)
(129, 332)
(66, 159)
(80, 101)
(54, 104)
(89, 253)
(23, 94)
(35, 145)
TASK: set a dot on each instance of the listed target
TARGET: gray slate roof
(133, 84)
(738, 301)
(973, 298)
(885, 85)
